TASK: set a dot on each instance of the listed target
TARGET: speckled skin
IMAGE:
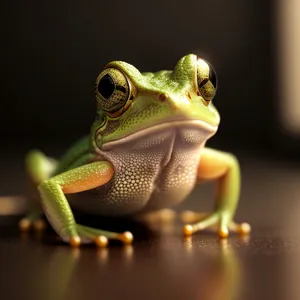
(150, 173)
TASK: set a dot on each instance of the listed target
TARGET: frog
(146, 151)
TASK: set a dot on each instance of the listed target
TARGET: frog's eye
(113, 92)
(207, 82)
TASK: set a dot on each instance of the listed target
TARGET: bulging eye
(113, 91)
(206, 80)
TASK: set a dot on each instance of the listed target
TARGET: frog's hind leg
(39, 167)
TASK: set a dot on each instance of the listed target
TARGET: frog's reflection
(223, 279)
(61, 267)
(201, 265)
(68, 271)
(126, 253)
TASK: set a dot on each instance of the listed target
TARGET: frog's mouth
(190, 131)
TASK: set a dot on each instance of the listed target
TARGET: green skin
(92, 176)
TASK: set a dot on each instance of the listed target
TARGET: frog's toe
(101, 237)
(101, 241)
(206, 222)
(32, 220)
(187, 230)
(37, 224)
(75, 241)
(126, 237)
(25, 224)
(242, 228)
(223, 232)
(219, 222)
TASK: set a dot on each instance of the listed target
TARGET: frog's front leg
(57, 208)
(225, 168)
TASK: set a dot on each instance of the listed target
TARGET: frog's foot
(219, 221)
(85, 234)
(188, 216)
(165, 215)
(33, 220)
(161, 221)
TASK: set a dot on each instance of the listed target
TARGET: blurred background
(53, 51)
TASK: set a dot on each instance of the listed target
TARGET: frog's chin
(189, 131)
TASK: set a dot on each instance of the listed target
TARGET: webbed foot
(85, 234)
(33, 220)
(219, 221)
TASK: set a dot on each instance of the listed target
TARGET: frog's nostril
(163, 97)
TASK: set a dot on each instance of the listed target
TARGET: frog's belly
(152, 174)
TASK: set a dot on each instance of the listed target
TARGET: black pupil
(213, 77)
(106, 86)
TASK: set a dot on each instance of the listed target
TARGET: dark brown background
(51, 53)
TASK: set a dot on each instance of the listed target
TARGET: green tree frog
(145, 152)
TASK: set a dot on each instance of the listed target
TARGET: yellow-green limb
(58, 210)
(224, 168)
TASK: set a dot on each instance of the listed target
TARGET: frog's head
(132, 104)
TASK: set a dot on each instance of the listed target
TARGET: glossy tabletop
(161, 264)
